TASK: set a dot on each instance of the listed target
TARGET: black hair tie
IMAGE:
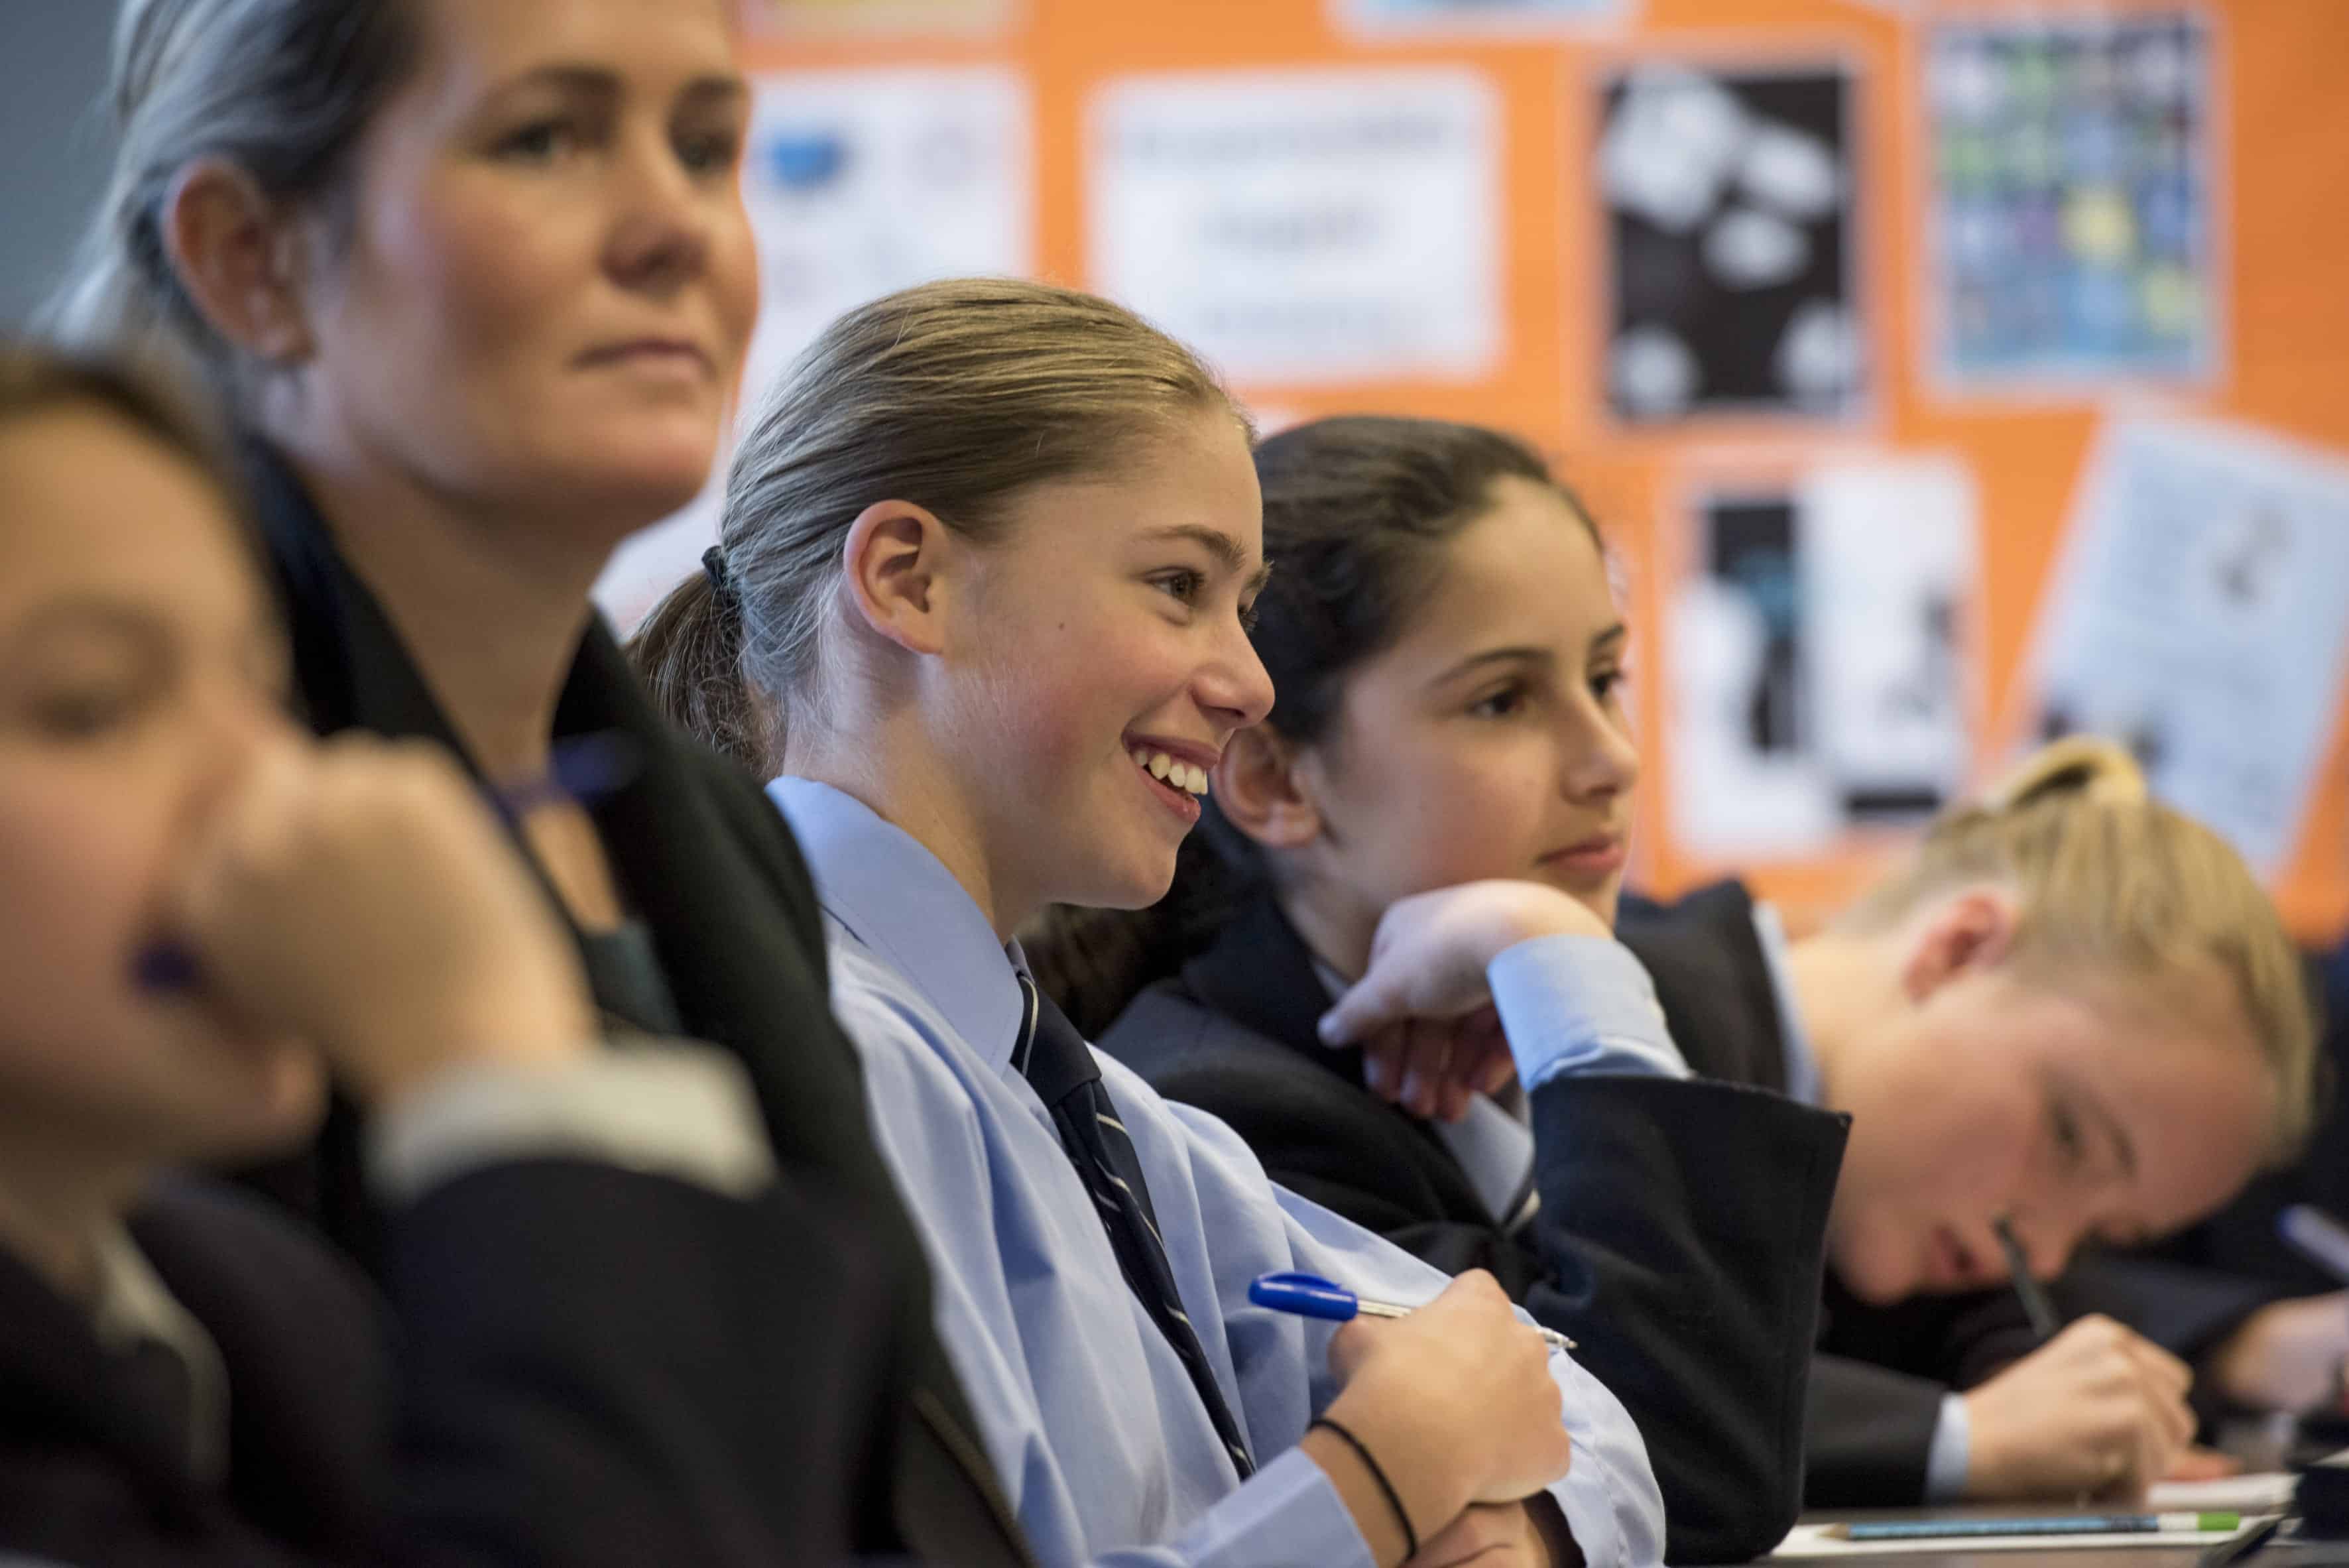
(1377, 1474)
(713, 566)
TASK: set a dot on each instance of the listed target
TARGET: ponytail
(689, 653)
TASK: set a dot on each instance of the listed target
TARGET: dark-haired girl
(1671, 1227)
(591, 1264)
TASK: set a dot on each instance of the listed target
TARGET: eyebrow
(1228, 552)
(599, 81)
(1525, 653)
(1510, 655)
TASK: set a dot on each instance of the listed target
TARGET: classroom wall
(2279, 196)
(2278, 365)
(53, 144)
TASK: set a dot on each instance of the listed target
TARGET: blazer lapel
(1259, 973)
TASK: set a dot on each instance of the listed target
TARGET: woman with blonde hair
(2073, 1013)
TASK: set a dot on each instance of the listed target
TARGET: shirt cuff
(1289, 1512)
(1580, 1004)
(678, 1110)
(1946, 1460)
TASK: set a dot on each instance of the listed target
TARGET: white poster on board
(1816, 652)
(1476, 18)
(2199, 613)
(858, 182)
(1304, 226)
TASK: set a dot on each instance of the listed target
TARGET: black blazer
(717, 879)
(1876, 1385)
(600, 1368)
(1678, 1238)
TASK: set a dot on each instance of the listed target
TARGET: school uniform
(597, 1363)
(1673, 1228)
(725, 948)
(1886, 1426)
(1105, 1430)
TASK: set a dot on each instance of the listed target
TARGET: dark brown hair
(35, 377)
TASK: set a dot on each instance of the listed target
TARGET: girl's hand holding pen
(2099, 1410)
(1455, 1401)
(360, 896)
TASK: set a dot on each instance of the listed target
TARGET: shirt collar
(898, 899)
(1802, 1063)
(133, 1304)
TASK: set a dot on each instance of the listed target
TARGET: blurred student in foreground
(608, 1352)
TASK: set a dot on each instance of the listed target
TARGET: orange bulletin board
(2280, 161)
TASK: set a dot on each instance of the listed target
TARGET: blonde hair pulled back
(956, 396)
(2111, 882)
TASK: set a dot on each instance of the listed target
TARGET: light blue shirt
(1950, 1452)
(1101, 1441)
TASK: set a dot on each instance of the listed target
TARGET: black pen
(2045, 1323)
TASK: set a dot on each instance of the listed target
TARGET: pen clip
(1305, 1294)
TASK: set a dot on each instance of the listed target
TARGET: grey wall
(53, 140)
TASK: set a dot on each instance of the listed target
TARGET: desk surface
(2153, 1552)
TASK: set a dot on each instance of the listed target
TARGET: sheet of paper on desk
(2263, 1491)
(1812, 1540)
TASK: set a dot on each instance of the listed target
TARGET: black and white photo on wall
(1816, 650)
(1731, 243)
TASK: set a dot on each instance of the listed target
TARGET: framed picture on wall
(1817, 644)
(1726, 197)
(2194, 614)
(1304, 227)
(2071, 228)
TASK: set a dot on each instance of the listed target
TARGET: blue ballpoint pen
(1311, 1296)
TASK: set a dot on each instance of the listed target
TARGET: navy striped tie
(1059, 1067)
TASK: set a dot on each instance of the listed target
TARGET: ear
(894, 566)
(1257, 790)
(239, 258)
(1964, 934)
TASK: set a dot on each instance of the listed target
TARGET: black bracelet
(1394, 1499)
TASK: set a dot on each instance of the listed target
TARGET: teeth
(1188, 776)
